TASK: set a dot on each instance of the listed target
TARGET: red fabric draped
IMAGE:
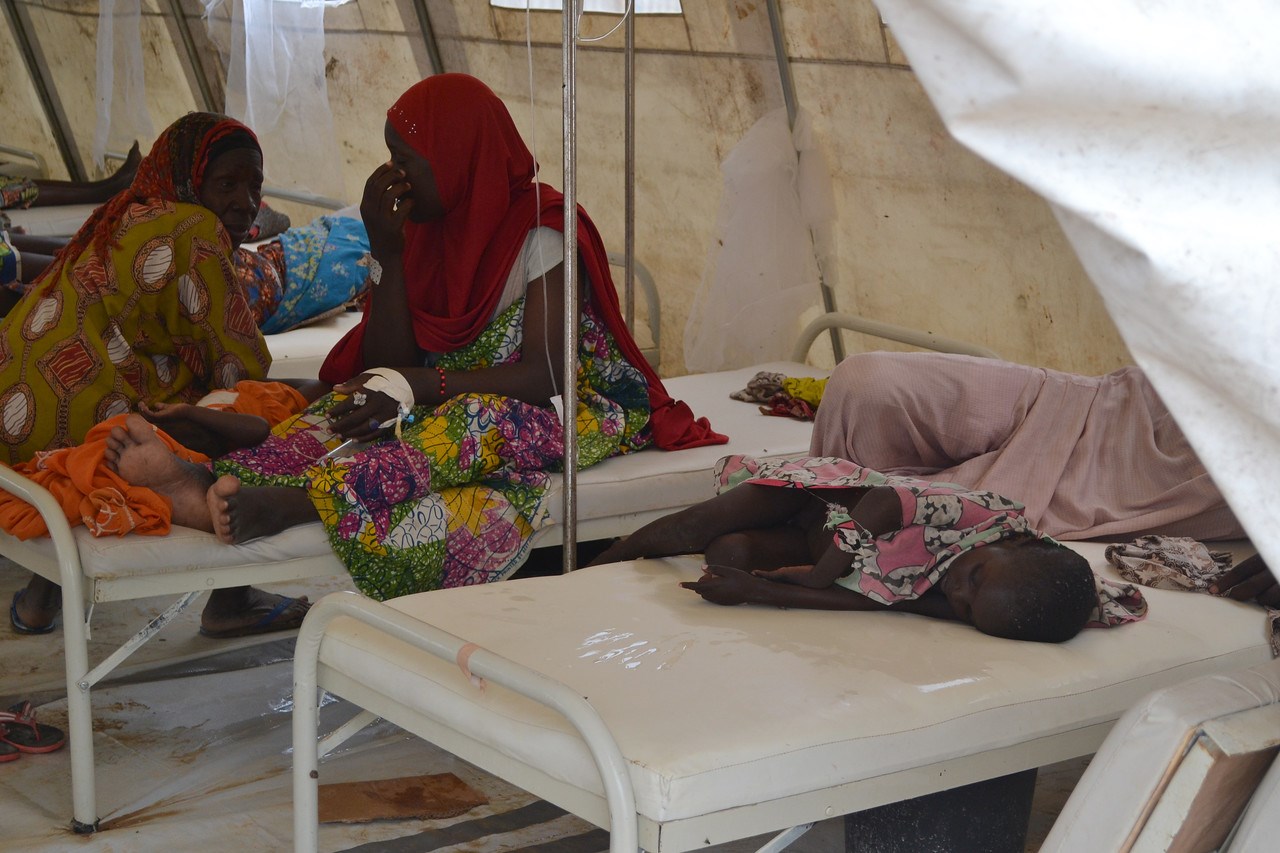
(455, 268)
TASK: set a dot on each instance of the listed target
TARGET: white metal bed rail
(614, 776)
(75, 630)
(889, 331)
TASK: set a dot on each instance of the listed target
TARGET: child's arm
(726, 585)
(234, 429)
(310, 389)
(879, 512)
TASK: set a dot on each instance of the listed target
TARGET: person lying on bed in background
(142, 304)
(448, 382)
(1088, 456)
(824, 533)
(307, 273)
(17, 191)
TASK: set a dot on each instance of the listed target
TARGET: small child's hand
(726, 585)
(797, 575)
(161, 411)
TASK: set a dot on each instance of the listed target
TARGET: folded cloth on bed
(784, 396)
(1179, 563)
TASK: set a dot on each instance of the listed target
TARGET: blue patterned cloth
(321, 271)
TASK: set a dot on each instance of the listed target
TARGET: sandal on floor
(7, 752)
(274, 619)
(22, 732)
(21, 627)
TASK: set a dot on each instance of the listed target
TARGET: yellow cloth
(805, 388)
(164, 321)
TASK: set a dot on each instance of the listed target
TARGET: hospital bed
(630, 702)
(614, 498)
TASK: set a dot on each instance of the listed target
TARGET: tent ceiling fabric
(1151, 128)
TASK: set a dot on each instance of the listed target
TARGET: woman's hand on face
(385, 208)
(360, 415)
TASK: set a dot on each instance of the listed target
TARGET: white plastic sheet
(276, 85)
(121, 82)
(1152, 127)
(775, 223)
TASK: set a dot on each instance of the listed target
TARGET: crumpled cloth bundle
(783, 396)
(1179, 563)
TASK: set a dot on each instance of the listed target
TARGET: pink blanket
(1089, 456)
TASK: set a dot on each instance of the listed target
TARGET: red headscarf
(455, 268)
(172, 171)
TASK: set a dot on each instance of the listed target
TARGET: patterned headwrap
(172, 171)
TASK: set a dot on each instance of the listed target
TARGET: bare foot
(240, 514)
(123, 176)
(244, 610)
(138, 455)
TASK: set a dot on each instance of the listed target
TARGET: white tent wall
(929, 235)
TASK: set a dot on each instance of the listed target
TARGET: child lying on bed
(934, 549)
(85, 482)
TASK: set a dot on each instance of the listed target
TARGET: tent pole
(629, 156)
(57, 121)
(569, 381)
(789, 96)
(428, 36)
(193, 56)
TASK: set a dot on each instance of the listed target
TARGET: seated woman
(447, 383)
(142, 305)
(824, 533)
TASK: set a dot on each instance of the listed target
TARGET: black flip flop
(21, 627)
(8, 752)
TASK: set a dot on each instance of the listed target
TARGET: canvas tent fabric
(1150, 129)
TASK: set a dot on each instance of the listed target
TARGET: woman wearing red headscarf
(142, 306)
(452, 372)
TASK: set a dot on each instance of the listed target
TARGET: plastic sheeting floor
(193, 754)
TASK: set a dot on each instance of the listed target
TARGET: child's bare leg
(692, 530)
(137, 454)
(766, 548)
(242, 513)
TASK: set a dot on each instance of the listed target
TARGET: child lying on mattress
(85, 481)
(867, 541)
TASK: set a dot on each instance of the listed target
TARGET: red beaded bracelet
(443, 394)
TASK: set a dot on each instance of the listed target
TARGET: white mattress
(61, 220)
(722, 707)
(298, 353)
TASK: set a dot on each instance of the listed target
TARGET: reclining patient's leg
(692, 530)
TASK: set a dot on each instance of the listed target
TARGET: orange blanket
(91, 494)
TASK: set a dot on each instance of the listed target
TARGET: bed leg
(985, 817)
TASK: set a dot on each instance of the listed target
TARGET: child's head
(1024, 588)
